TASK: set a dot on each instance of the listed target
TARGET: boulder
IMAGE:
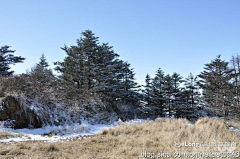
(22, 116)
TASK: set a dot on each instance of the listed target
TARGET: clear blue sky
(176, 35)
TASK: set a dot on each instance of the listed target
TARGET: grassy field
(152, 139)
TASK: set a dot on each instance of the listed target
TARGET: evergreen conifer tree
(176, 81)
(41, 72)
(158, 89)
(79, 67)
(168, 92)
(95, 68)
(192, 87)
(6, 59)
(107, 79)
(148, 90)
(129, 86)
(217, 86)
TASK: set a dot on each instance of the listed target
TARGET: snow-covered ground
(59, 133)
(66, 133)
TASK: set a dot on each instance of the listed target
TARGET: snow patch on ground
(59, 133)
(233, 129)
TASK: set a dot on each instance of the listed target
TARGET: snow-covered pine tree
(6, 59)
(217, 87)
(79, 68)
(41, 72)
(90, 45)
(192, 89)
(189, 98)
(158, 90)
(129, 88)
(95, 68)
(169, 92)
(43, 62)
(107, 69)
(148, 90)
(72, 69)
(176, 81)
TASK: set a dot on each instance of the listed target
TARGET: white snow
(59, 133)
(233, 129)
(33, 107)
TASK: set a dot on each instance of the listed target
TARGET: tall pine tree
(158, 90)
(79, 69)
(6, 59)
(169, 92)
(148, 90)
(129, 86)
(41, 72)
(217, 86)
(94, 68)
(192, 88)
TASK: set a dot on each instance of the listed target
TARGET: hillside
(93, 83)
(152, 138)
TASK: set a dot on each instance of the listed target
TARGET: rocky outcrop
(22, 117)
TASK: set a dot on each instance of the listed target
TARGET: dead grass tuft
(5, 135)
(52, 148)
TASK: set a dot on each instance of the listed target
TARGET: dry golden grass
(5, 135)
(233, 124)
(128, 141)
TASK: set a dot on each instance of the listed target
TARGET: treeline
(172, 94)
(216, 88)
(91, 68)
